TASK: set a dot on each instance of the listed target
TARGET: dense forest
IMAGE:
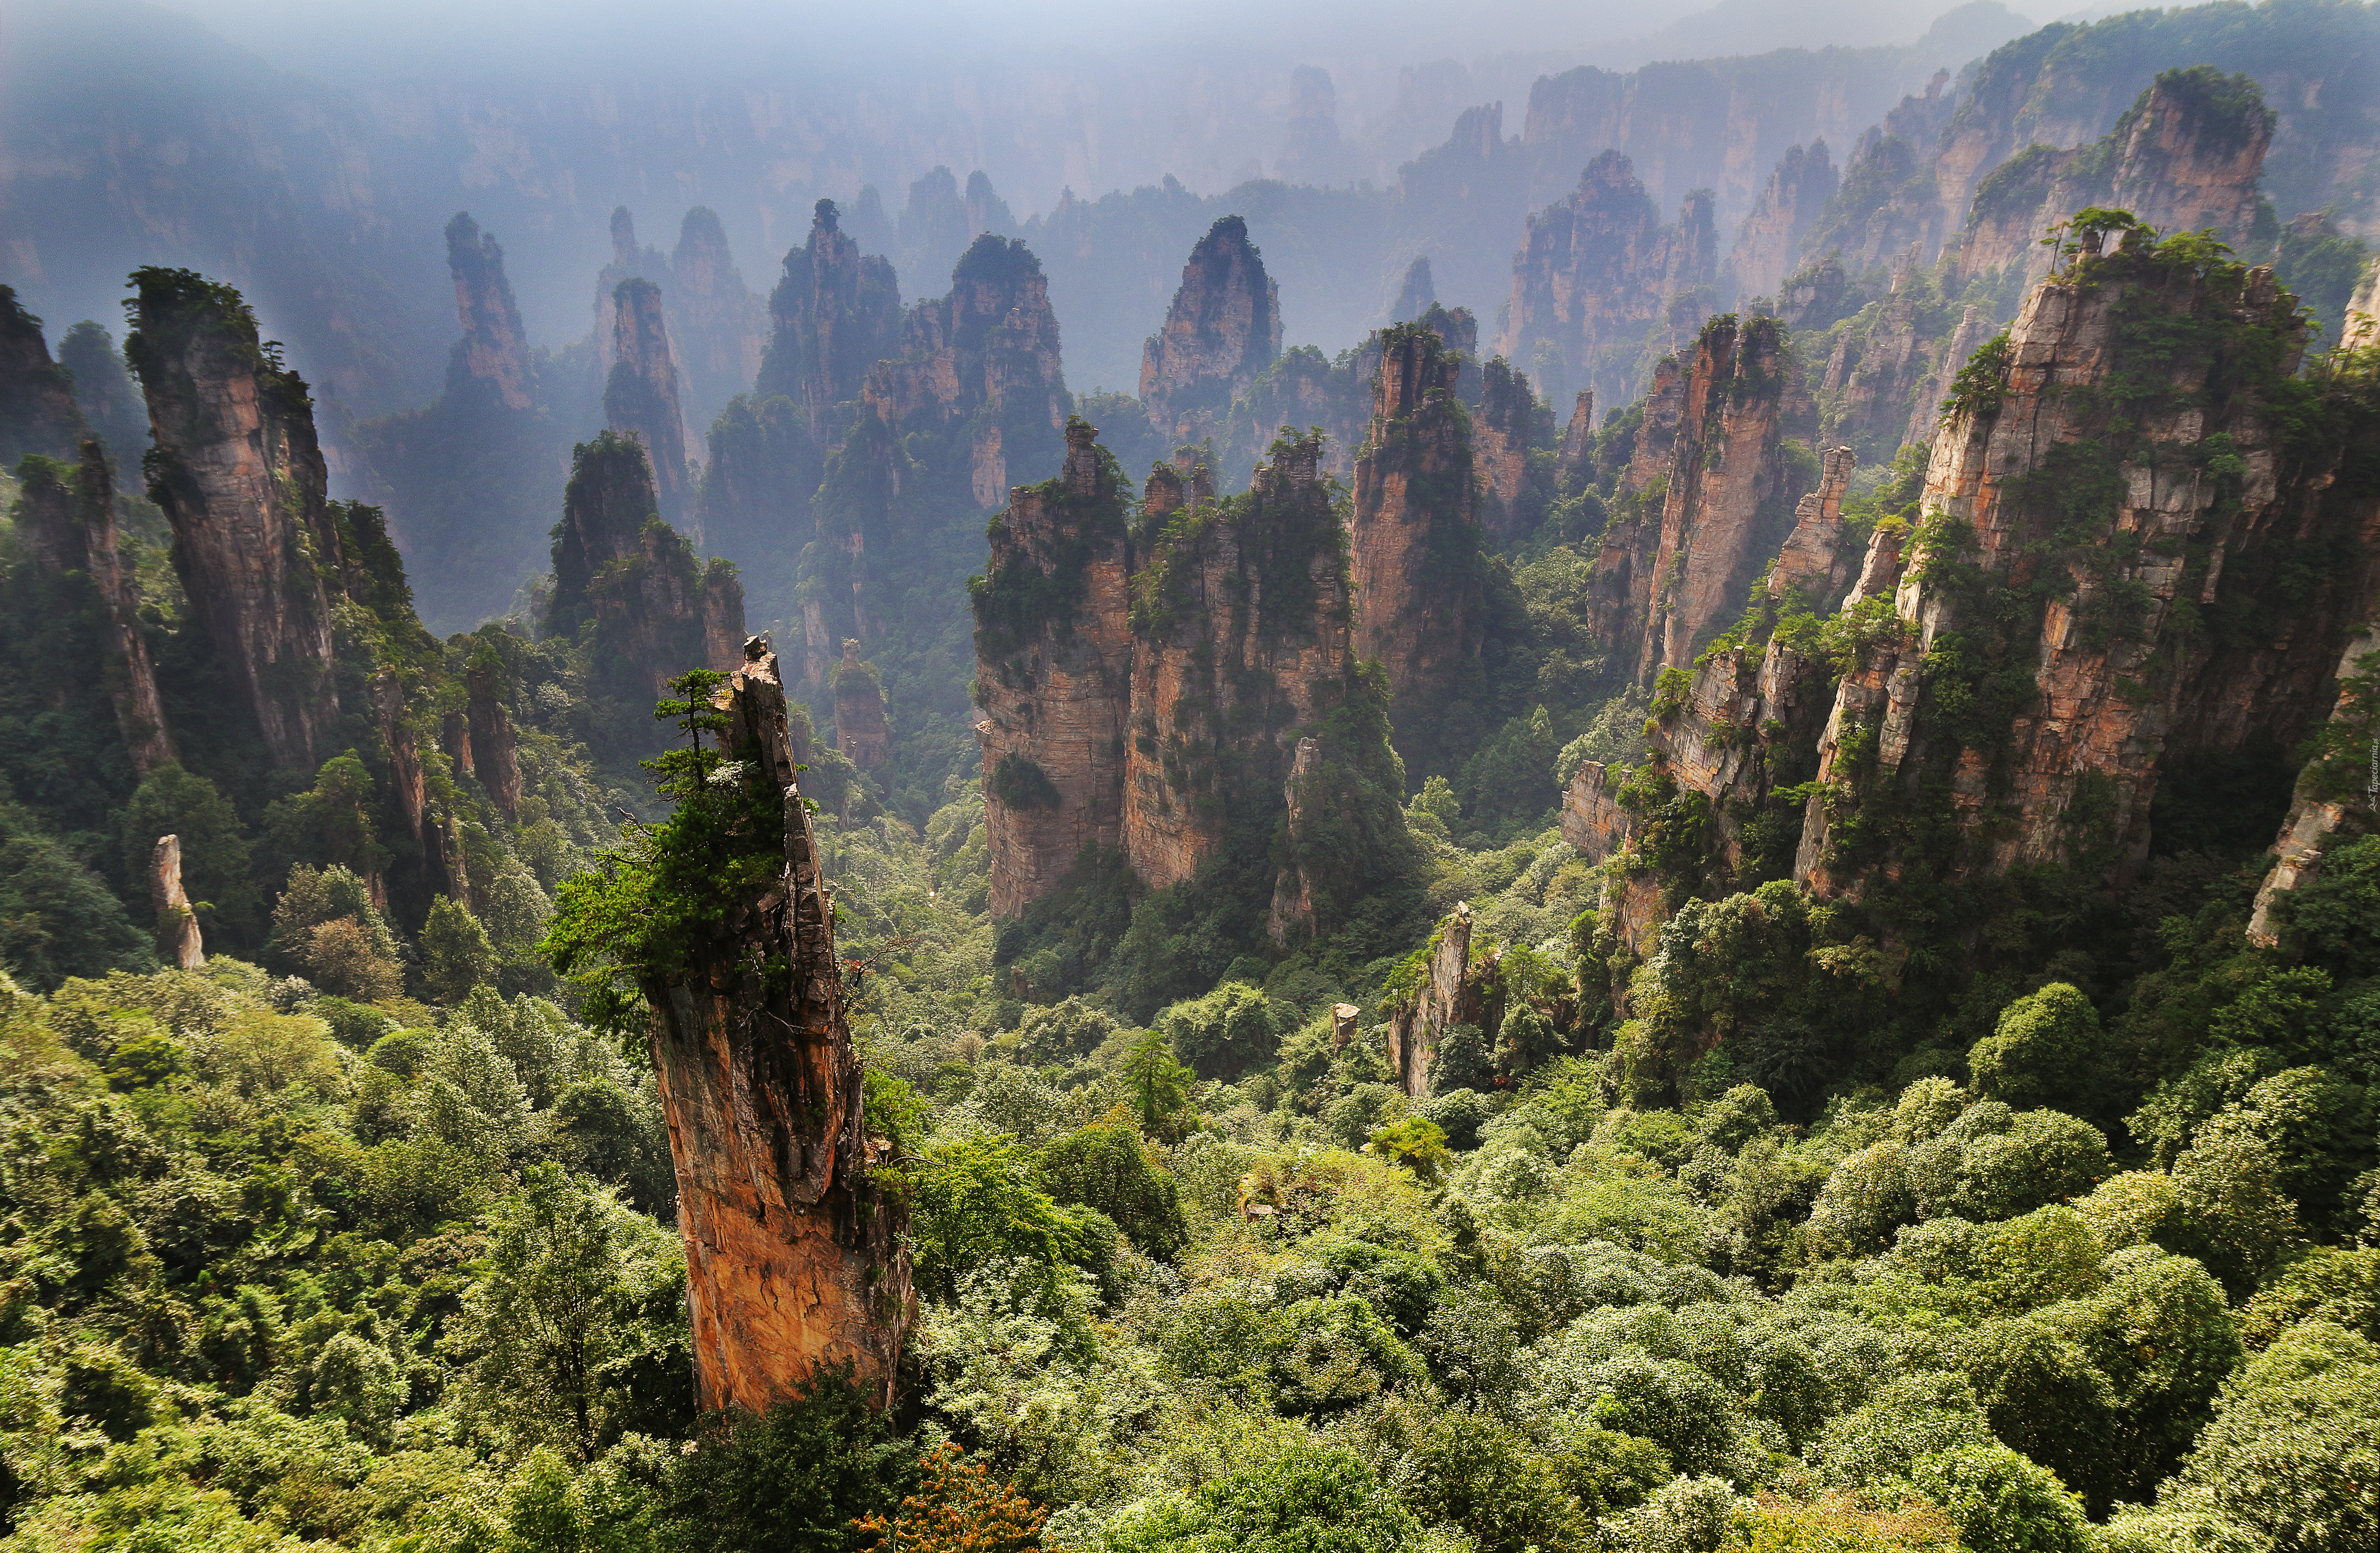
(1735, 912)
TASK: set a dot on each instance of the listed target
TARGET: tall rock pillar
(240, 476)
(794, 1253)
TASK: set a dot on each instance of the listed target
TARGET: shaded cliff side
(1184, 690)
(469, 479)
(628, 585)
(833, 315)
(793, 1251)
(238, 472)
(1054, 652)
(1598, 274)
(974, 405)
(1222, 329)
(640, 398)
(1767, 246)
(1416, 538)
(37, 407)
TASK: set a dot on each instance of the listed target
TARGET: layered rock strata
(1508, 425)
(1223, 330)
(795, 1257)
(241, 477)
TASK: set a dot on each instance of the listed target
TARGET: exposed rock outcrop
(37, 405)
(66, 525)
(2186, 156)
(1452, 991)
(494, 348)
(1577, 448)
(238, 472)
(859, 728)
(835, 313)
(1767, 246)
(794, 1253)
(490, 747)
(1155, 689)
(1597, 272)
(1053, 647)
(629, 578)
(975, 403)
(1221, 330)
(1727, 488)
(715, 319)
(1508, 425)
(179, 942)
(2330, 803)
(1415, 537)
(2124, 558)
(641, 399)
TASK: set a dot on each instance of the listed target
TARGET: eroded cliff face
(620, 572)
(179, 942)
(1223, 330)
(859, 728)
(975, 403)
(1598, 271)
(1243, 630)
(718, 320)
(2090, 596)
(1707, 498)
(640, 398)
(1767, 246)
(37, 405)
(2186, 156)
(794, 1253)
(1505, 429)
(1452, 990)
(835, 313)
(66, 524)
(1053, 646)
(1183, 688)
(493, 350)
(1731, 488)
(239, 475)
(1415, 537)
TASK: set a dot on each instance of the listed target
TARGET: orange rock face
(794, 1257)
(1153, 688)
